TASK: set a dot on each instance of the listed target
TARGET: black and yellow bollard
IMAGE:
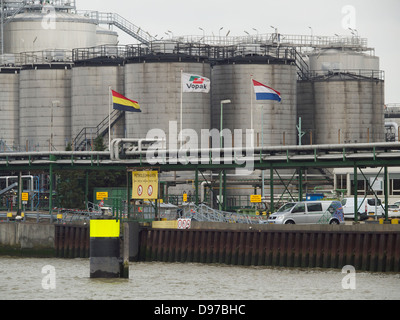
(105, 257)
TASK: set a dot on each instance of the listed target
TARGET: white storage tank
(45, 107)
(156, 85)
(38, 30)
(324, 60)
(91, 99)
(232, 80)
(342, 108)
(106, 37)
(9, 106)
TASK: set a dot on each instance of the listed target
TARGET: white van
(366, 208)
(309, 212)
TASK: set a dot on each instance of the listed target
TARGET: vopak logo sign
(195, 83)
(197, 80)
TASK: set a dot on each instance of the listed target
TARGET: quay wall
(367, 247)
(27, 239)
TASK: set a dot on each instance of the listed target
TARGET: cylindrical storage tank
(9, 109)
(45, 107)
(40, 30)
(106, 37)
(233, 81)
(325, 60)
(156, 85)
(91, 101)
(344, 110)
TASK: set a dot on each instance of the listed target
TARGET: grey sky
(378, 21)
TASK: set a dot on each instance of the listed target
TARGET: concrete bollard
(105, 257)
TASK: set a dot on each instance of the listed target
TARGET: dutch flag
(264, 92)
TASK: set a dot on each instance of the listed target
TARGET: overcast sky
(378, 21)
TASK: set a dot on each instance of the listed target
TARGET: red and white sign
(140, 191)
(150, 190)
(184, 223)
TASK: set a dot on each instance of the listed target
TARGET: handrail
(346, 74)
(100, 130)
(118, 21)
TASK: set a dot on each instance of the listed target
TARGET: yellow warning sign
(255, 198)
(24, 196)
(101, 195)
(145, 185)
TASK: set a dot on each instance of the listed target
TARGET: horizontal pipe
(294, 148)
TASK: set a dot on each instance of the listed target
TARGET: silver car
(309, 212)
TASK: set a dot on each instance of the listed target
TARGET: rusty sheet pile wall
(72, 241)
(367, 251)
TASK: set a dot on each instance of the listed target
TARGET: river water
(44, 279)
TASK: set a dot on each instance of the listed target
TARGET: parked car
(366, 208)
(393, 211)
(309, 212)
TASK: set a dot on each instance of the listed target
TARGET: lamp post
(220, 145)
(204, 34)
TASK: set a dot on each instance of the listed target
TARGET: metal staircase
(88, 134)
(120, 22)
(8, 188)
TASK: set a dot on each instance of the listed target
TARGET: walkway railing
(207, 214)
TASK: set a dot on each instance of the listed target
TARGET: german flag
(124, 104)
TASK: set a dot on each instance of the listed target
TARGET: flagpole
(251, 105)
(180, 134)
(109, 118)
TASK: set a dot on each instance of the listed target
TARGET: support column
(300, 184)
(196, 186)
(20, 189)
(86, 189)
(51, 190)
(128, 195)
(224, 190)
(271, 189)
(355, 179)
(220, 192)
(386, 187)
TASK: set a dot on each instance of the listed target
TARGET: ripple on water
(22, 278)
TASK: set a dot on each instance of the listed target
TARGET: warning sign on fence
(184, 223)
(145, 185)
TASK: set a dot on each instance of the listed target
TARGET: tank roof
(12, 7)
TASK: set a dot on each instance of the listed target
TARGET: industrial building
(57, 64)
